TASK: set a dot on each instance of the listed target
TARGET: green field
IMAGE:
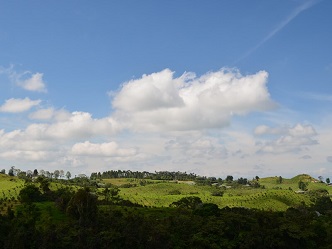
(275, 196)
(156, 193)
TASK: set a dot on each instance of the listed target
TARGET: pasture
(273, 196)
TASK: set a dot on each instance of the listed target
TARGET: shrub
(217, 193)
(174, 192)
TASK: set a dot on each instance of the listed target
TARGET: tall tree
(35, 172)
(68, 175)
(56, 174)
(42, 172)
(62, 173)
(229, 178)
(83, 206)
(11, 171)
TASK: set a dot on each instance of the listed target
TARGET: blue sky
(214, 87)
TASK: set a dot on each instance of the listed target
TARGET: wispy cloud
(306, 5)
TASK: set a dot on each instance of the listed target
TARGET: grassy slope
(275, 196)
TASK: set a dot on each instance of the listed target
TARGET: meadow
(271, 195)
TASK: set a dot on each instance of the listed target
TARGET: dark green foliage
(83, 206)
(229, 178)
(111, 194)
(217, 192)
(30, 193)
(279, 180)
(190, 202)
(242, 181)
(174, 192)
(303, 185)
(207, 209)
(323, 204)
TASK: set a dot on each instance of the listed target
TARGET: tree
(83, 206)
(68, 175)
(303, 185)
(320, 178)
(111, 194)
(30, 193)
(42, 172)
(229, 178)
(323, 204)
(44, 184)
(257, 178)
(279, 180)
(3, 171)
(327, 180)
(35, 172)
(207, 209)
(56, 174)
(29, 173)
(190, 202)
(62, 173)
(242, 181)
(11, 171)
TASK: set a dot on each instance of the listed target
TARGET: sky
(216, 88)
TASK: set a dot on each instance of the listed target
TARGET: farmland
(38, 212)
(161, 193)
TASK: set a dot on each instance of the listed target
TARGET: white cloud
(110, 149)
(161, 102)
(50, 114)
(197, 147)
(18, 105)
(151, 92)
(289, 140)
(42, 114)
(296, 131)
(33, 83)
(71, 126)
(27, 80)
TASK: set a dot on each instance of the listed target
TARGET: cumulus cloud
(160, 101)
(289, 139)
(27, 80)
(32, 83)
(18, 105)
(76, 125)
(42, 114)
(39, 141)
(186, 149)
(110, 149)
(50, 114)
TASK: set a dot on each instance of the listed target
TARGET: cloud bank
(160, 101)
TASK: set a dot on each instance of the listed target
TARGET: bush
(217, 193)
(174, 192)
(190, 202)
(30, 193)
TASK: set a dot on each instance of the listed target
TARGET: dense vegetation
(168, 211)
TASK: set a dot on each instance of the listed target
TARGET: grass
(156, 193)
